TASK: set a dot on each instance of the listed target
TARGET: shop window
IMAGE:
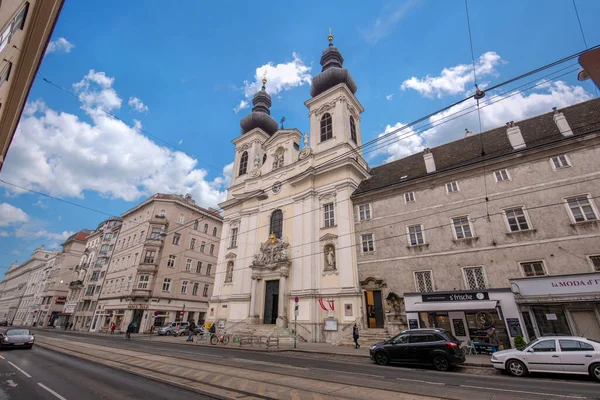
(551, 320)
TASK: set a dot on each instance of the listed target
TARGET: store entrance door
(586, 324)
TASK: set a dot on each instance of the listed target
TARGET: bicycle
(222, 338)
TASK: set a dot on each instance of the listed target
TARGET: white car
(555, 354)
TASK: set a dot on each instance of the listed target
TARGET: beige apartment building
(26, 30)
(455, 239)
(163, 266)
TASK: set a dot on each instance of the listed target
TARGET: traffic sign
(181, 313)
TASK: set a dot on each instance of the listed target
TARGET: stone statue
(257, 160)
(271, 253)
(306, 139)
(229, 275)
(330, 257)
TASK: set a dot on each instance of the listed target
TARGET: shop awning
(453, 306)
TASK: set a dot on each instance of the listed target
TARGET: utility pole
(295, 320)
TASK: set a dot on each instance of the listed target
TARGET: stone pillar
(254, 316)
(282, 317)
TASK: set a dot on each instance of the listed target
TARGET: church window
(352, 129)
(277, 223)
(326, 127)
(243, 163)
(329, 215)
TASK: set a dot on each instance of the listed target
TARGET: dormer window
(326, 127)
(243, 163)
(352, 129)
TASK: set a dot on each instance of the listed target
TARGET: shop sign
(573, 284)
(69, 308)
(459, 327)
(61, 300)
(514, 327)
(413, 324)
(138, 306)
(457, 296)
(551, 317)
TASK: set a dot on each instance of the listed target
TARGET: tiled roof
(539, 130)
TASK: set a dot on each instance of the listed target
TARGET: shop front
(559, 305)
(467, 314)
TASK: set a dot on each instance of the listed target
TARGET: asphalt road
(364, 372)
(43, 374)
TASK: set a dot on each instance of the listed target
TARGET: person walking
(493, 336)
(192, 328)
(355, 336)
(130, 330)
(112, 328)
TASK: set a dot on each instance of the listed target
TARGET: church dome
(260, 117)
(332, 72)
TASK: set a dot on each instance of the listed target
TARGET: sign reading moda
(557, 285)
(457, 296)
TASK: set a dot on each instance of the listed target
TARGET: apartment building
(162, 267)
(39, 283)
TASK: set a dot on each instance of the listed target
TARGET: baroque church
(288, 244)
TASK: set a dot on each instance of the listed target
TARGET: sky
(145, 96)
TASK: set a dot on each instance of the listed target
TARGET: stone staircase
(285, 335)
(367, 337)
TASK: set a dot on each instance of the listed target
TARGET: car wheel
(516, 368)
(441, 363)
(381, 358)
(168, 333)
(595, 371)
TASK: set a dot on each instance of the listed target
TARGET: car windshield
(16, 332)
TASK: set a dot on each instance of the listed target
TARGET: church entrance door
(374, 309)
(271, 301)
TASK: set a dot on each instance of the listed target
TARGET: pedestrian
(112, 328)
(192, 328)
(130, 330)
(493, 337)
(355, 336)
(212, 330)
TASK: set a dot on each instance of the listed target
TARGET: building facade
(26, 30)
(36, 313)
(163, 265)
(443, 233)
(288, 232)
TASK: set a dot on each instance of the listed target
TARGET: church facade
(288, 242)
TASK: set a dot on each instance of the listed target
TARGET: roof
(81, 235)
(537, 131)
(187, 199)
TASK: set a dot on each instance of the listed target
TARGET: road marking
(195, 353)
(20, 370)
(2, 358)
(11, 383)
(353, 373)
(58, 396)
(525, 392)
(417, 380)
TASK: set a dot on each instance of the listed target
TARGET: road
(43, 374)
(363, 372)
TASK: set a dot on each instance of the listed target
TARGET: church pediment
(272, 254)
(230, 256)
(329, 237)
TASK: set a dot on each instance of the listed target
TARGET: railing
(306, 329)
(229, 328)
(351, 323)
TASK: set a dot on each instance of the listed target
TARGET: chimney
(514, 136)
(468, 133)
(429, 161)
(561, 123)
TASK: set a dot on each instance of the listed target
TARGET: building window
(595, 262)
(215, 231)
(166, 287)
(212, 249)
(276, 225)
(364, 212)
(205, 228)
(184, 285)
(367, 242)
(208, 269)
(143, 281)
(199, 267)
(233, 241)
(192, 243)
(462, 227)
(243, 163)
(149, 257)
(196, 225)
(205, 291)
(171, 261)
(13, 26)
(202, 246)
(195, 289)
(474, 278)
(155, 234)
(181, 219)
(326, 127)
(452, 187)
(559, 162)
(581, 209)
(176, 237)
(188, 265)
(329, 215)
(409, 197)
(533, 268)
(415, 235)
(90, 290)
(142, 235)
(423, 281)
(352, 129)
(501, 175)
(5, 74)
(516, 219)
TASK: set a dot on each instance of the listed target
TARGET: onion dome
(332, 73)
(260, 117)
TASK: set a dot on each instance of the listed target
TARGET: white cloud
(389, 97)
(511, 107)
(280, 77)
(386, 22)
(454, 80)
(106, 97)
(63, 155)
(25, 232)
(4, 234)
(400, 144)
(137, 105)
(11, 215)
(60, 45)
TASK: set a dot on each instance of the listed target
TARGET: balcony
(76, 284)
(145, 293)
(147, 267)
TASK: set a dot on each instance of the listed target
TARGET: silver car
(17, 338)
(173, 328)
(556, 354)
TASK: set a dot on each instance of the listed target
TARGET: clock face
(276, 187)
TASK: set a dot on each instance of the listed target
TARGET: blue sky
(180, 71)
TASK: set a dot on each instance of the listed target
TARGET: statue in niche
(330, 257)
(229, 272)
(395, 302)
(278, 160)
(257, 160)
(306, 139)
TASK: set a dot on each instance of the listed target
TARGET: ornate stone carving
(272, 254)
(329, 257)
(305, 152)
(372, 284)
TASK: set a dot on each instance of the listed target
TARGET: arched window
(196, 225)
(352, 129)
(276, 226)
(326, 127)
(243, 163)
(205, 228)
(215, 231)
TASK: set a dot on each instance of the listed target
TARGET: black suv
(435, 347)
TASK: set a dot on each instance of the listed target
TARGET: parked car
(3, 322)
(436, 347)
(555, 354)
(173, 328)
(16, 338)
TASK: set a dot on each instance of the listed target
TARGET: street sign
(296, 299)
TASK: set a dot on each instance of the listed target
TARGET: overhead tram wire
(583, 37)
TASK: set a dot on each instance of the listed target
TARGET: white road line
(525, 392)
(2, 358)
(416, 380)
(20, 370)
(58, 396)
